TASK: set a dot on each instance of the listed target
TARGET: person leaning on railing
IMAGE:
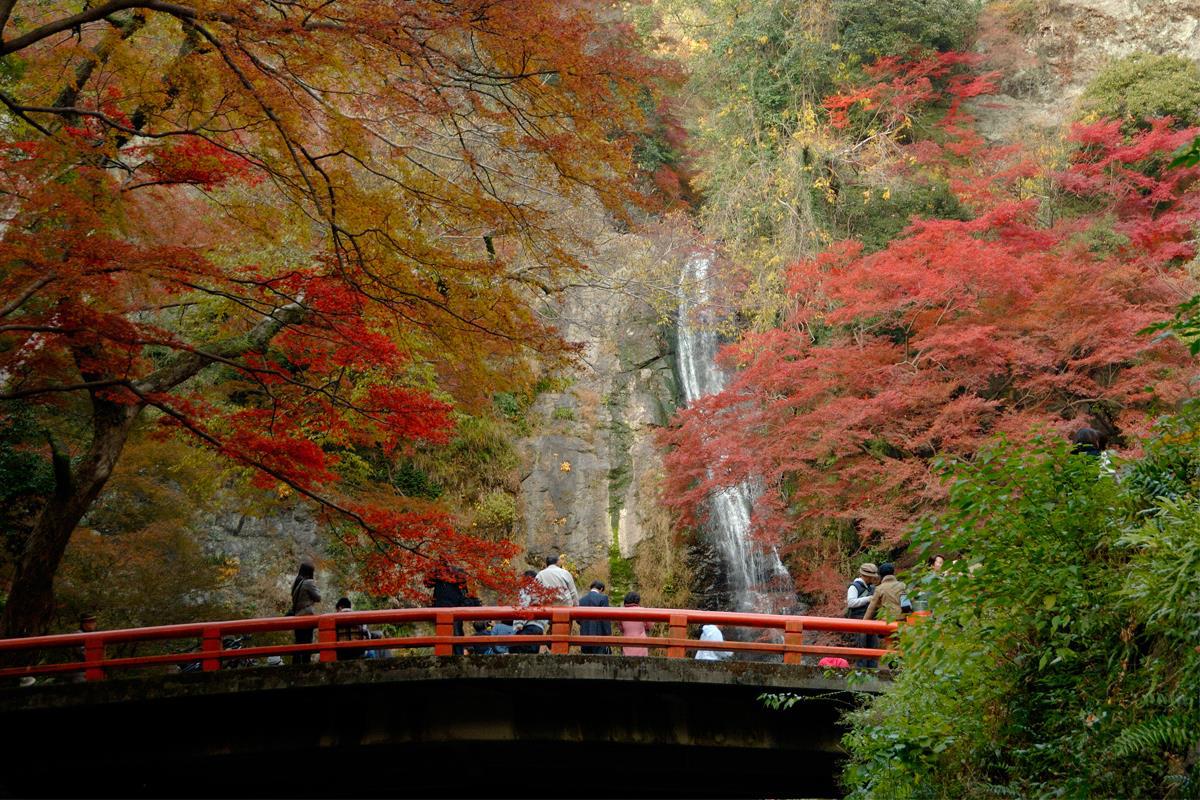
(304, 600)
(634, 628)
(350, 633)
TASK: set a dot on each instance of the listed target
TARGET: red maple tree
(295, 232)
(954, 333)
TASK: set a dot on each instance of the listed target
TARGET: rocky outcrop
(1048, 51)
(261, 541)
(583, 486)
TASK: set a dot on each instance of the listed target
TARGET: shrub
(1059, 660)
(496, 512)
(871, 29)
(876, 216)
(1143, 86)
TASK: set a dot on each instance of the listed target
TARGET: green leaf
(1049, 600)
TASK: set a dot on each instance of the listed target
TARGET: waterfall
(757, 579)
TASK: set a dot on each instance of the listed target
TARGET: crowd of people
(876, 593)
(553, 586)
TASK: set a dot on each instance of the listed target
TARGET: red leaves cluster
(955, 332)
(903, 86)
(197, 161)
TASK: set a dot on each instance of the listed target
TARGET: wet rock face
(588, 465)
(1048, 51)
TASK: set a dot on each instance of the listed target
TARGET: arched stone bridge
(433, 725)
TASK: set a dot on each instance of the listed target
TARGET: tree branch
(6, 7)
(100, 55)
(95, 14)
(74, 387)
(28, 292)
(185, 365)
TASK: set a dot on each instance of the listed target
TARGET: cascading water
(757, 579)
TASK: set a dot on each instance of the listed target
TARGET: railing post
(560, 625)
(326, 634)
(210, 642)
(93, 650)
(444, 626)
(793, 637)
(678, 631)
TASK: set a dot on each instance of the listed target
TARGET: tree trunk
(30, 607)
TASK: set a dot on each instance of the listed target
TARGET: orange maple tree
(292, 230)
(955, 332)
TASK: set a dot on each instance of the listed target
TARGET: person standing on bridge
(559, 582)
(87, 624)
(634, 629)
(858, 597)
(595, 598)
(350, 633)
(555, 587)
(450, 590)
(304, 600)
(888, 599)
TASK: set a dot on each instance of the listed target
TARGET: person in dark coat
(449, 584)
(350, 633)
(595, 598)
(304, 600)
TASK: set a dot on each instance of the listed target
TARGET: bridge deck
(514, 725)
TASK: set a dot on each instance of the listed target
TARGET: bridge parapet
(780, 636)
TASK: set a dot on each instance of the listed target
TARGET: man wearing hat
(858, 597)
(858, 594)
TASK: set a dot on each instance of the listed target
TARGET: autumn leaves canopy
(292, 230)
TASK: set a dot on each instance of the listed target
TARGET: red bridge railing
(91, 653)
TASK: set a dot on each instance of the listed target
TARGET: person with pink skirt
(635, 629)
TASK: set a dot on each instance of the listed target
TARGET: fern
(1169, 733)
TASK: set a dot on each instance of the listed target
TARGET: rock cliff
(1048, 51)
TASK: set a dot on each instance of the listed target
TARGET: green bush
(412, 481)
(496, 511)
(26, 479)
(1060, 658)
(871, 29)
(1143, 86)
(876, 216)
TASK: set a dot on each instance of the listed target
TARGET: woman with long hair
(304, 600)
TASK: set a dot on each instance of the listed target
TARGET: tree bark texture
(30, 607)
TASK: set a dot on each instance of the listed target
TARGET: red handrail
(95, 662)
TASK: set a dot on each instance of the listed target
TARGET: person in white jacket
(711, 633)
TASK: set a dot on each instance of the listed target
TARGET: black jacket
(595, 627)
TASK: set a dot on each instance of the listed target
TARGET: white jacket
(711, 633)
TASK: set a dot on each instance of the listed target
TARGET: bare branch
(96, 13)
(74, 387)
(28, 292)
